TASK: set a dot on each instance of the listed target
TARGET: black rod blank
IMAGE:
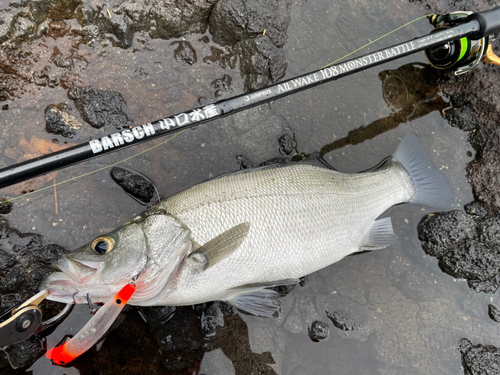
(128, 137)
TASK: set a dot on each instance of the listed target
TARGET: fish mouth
(74, 270)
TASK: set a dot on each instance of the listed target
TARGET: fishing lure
(95, 328)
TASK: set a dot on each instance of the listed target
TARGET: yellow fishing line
(97, 170)
(376, 40)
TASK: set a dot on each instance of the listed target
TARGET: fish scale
(301, 219)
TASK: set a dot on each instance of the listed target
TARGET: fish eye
(102, 245)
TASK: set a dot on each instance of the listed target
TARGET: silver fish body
(302, 218)
(231, 237)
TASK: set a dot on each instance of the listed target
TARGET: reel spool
(458, 56)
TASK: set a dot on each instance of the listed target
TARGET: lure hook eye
(102, 245)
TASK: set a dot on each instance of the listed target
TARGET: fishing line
(182, 131)
(97, 170)
(376, 40)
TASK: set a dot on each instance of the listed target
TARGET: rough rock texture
(24, 262)
(318, 331)
(494, 313)
(184, 53)
(474, 107)
(479, 359)
(466, 245)
(100, 108)
(222, 85)
(135, 185)
(59, 121)
(46, 64)
(257, 39)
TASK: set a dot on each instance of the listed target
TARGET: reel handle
(489, 23)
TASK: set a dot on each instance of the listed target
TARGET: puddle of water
(416, 312)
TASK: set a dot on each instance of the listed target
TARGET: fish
(234, 237)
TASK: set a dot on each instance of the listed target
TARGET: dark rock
(222, 85)
(205, 39)
(211, 318)
(244, 162)
(6, 260)
(304, 280)
(283, 290)
(5, 206)
(261, 62)
(184, 53)
(476, 208)
(288, 145)
(340, 321)
(135, 185)
(12, 280)
(57, 29)
(24, 262)
(59, 121)
(349, 327)
(273, 161)
(49, 253)
(7, 301)
(234, 20)
(462, 118)
(479, 359)
(465, 245)
(5, 107)
(318, 331)
(100, 108)
(494, 313)
(23, 354)
(257, 30)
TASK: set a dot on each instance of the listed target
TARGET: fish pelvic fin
(431, 187)
(220, 247)
(380, 235)
(255, 299)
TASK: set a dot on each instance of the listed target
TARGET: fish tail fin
(432, 188)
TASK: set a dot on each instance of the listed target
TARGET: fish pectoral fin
(380, 236)
(255, 299)
(222, 246)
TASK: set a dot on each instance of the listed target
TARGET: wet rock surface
(318, 331)
(258, 40)
(494, 313)
(59, 121)
(185, 53)
(406, 316)
(24, 262)
(100, 108)
(466, 246)
(134, 184)
(479, 359)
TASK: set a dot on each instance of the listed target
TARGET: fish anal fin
(380, 236)
(222, 246)
(255, 299)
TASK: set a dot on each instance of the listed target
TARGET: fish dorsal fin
(222, 246)
(255, 299)
(380, 236)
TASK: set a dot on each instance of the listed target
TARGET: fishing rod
(458, 42)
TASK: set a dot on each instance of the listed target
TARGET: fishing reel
(461, 55)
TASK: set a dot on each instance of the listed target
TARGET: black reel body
(458, 56)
